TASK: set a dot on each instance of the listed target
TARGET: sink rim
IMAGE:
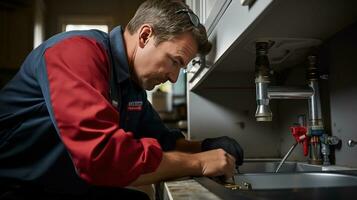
(296, 180)
(270, 166)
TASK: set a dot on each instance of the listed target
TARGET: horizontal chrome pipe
(284, 92)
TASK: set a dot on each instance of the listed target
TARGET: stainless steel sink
(268, 181)
(263, 167)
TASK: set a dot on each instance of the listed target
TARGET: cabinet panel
(212, 11)
(209, 12)
(206, 7)
(230, 27)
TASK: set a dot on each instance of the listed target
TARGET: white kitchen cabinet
(221, 90)
(294, 25)
(209, 12)
(226, 22)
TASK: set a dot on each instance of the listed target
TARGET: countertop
(187, 189)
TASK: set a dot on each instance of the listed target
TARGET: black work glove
(228, 144)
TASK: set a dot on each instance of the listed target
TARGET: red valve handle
(299, 133)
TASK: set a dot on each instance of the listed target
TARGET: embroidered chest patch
(135, 105)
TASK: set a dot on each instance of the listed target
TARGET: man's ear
(145, 33)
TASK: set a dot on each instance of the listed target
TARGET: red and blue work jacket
(72, 111)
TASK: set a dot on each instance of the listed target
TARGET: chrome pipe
(316, 126)
(284, 92)
(263, 112)
(315, 114)
(262, 80)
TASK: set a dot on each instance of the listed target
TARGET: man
(76, 115)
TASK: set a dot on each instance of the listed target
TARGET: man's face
(155, 64)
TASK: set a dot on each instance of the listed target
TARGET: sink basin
(268, 181)
(263, 167)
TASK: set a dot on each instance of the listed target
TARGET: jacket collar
(120, 59)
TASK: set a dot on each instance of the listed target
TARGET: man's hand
(216, 163)
(177, 164)
(228, 144)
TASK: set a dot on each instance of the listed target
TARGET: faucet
(299, 132)
(266, 92)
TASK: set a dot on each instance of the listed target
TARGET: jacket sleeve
(103, 153)
(153, 126)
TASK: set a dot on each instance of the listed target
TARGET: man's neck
(129, 47)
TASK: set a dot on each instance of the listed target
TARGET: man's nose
(174, 76)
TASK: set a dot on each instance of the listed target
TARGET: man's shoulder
(96, 35)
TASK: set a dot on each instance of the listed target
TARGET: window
(71, 27)
(85, 22)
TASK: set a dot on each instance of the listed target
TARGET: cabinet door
(194, 5)
(211, 11)
(206, 7)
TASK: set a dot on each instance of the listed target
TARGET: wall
(342, 51)
(16, 38)
(18, 19)
(116, 11)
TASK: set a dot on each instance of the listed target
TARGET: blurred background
(25, 24)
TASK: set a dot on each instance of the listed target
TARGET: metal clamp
(194, 62)
(247, 2)
(243, 186)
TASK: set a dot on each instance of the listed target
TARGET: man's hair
(167, 22)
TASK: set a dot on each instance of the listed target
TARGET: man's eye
(174, 62)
